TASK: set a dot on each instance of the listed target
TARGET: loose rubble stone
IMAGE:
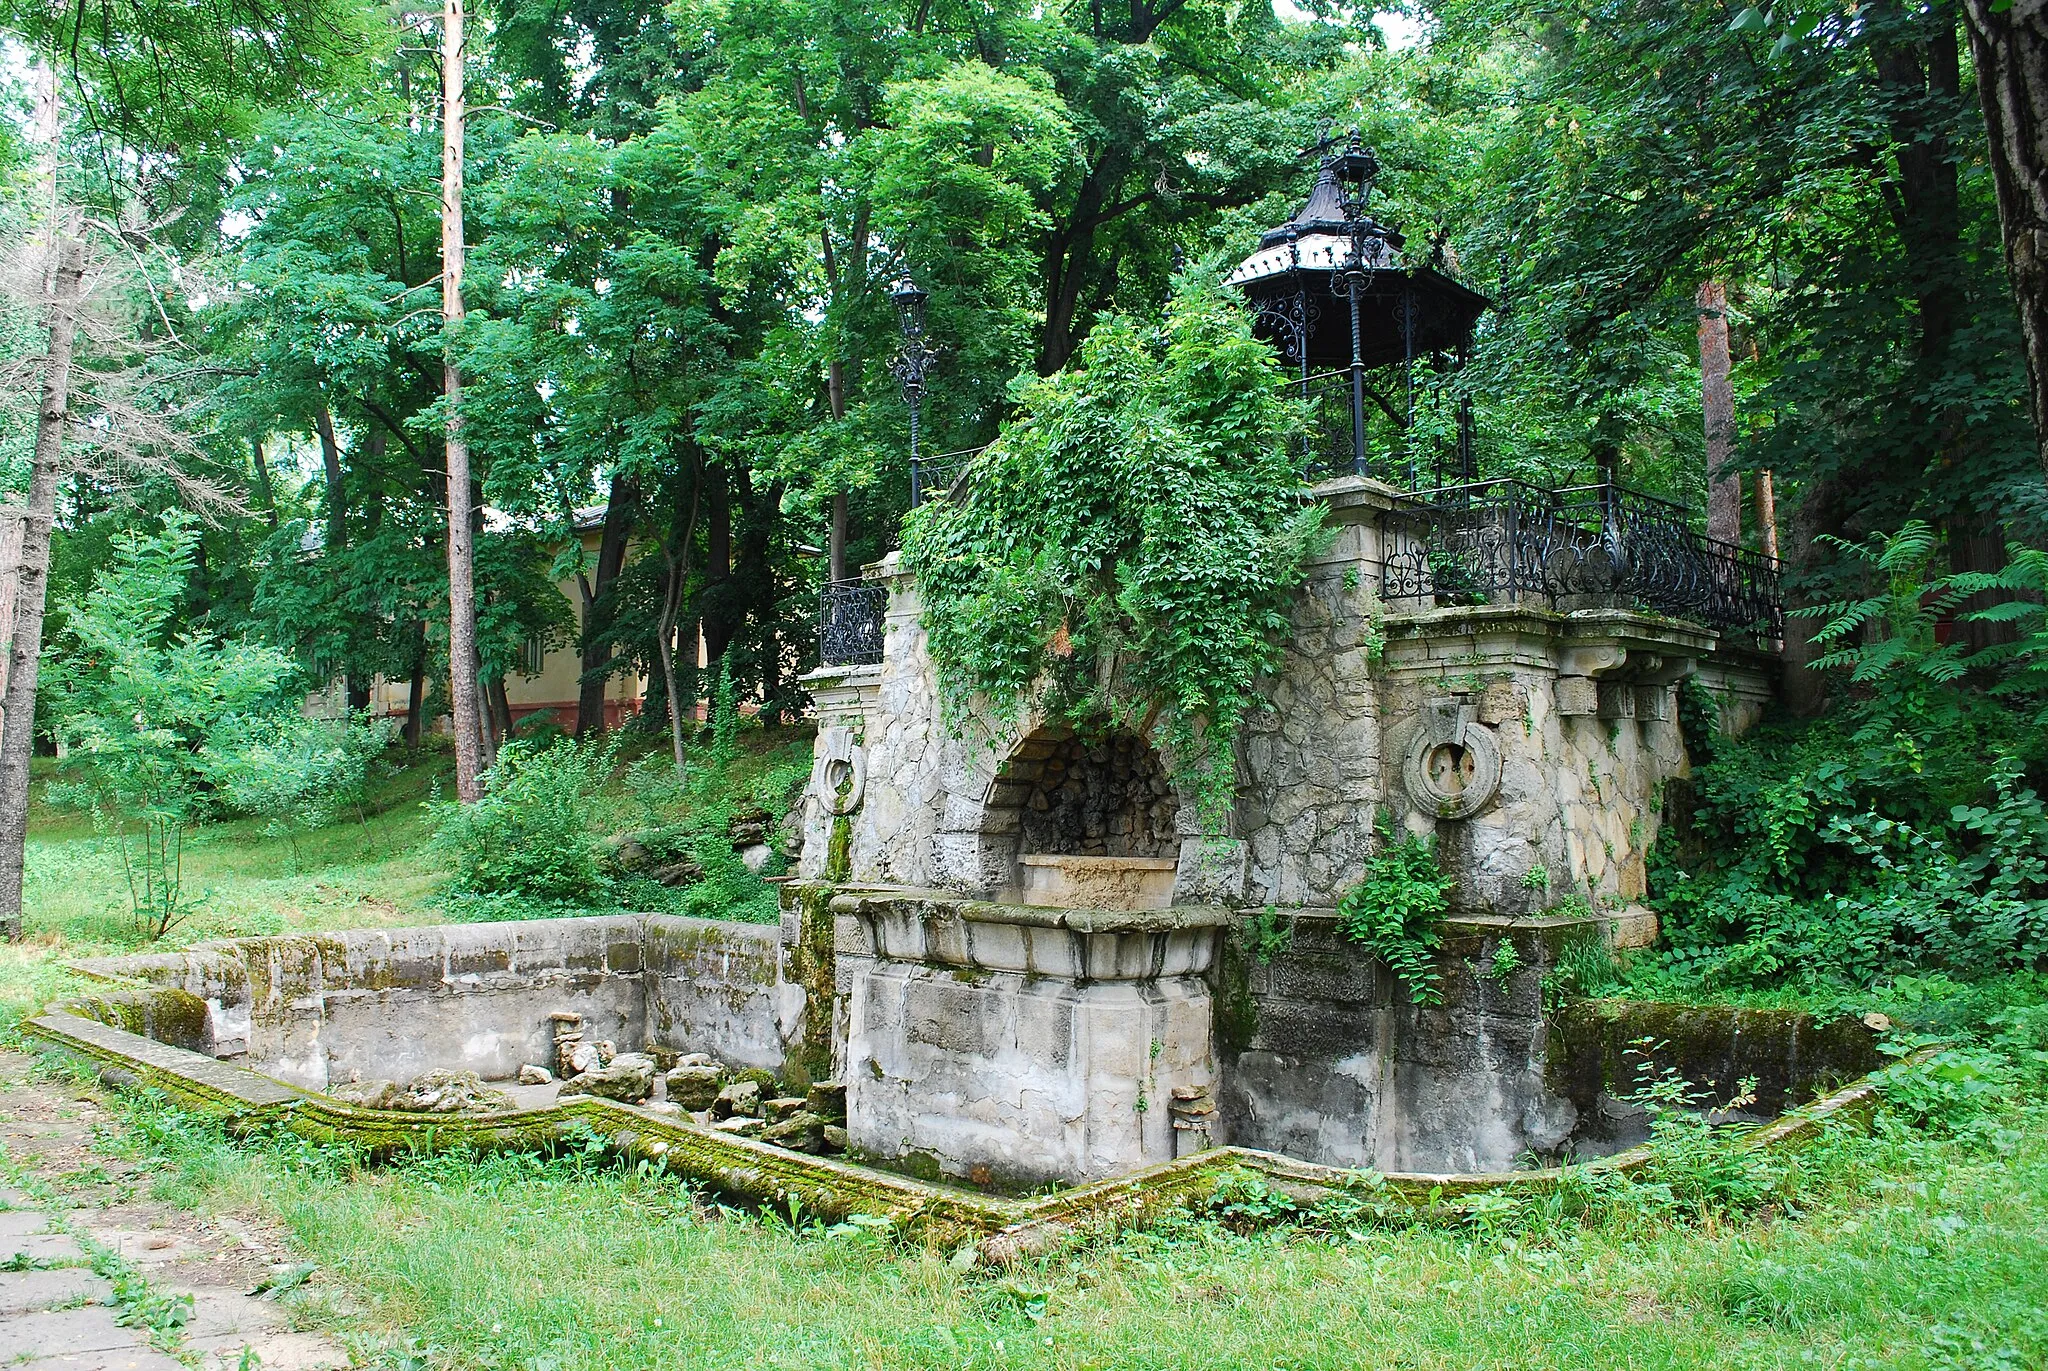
(531, 1074)
(629, 1078)
(837, 1138)
(739, 1126)
(453, 1092)
(802, 1131)
(827, 1099)
(776, 1110)
(695, 1087)
(738, 1097)
(585, 1057)
(435, 1092)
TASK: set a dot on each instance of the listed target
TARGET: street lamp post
(911, 364)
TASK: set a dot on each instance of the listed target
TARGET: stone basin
(1097, 882)
(1035, 940)
(1020, 1044)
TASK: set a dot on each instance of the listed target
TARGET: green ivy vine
(1126, 551)
(1397, 911)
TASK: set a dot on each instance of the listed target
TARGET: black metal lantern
(911, 364)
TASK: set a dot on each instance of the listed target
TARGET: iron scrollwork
(850, 623)
(1598, 546)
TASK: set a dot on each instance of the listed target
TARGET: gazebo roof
(1293, 280)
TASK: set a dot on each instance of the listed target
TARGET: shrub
(1397, 911)
(530, 835)
(165, 730)
(1905, 831)
(1127, 550)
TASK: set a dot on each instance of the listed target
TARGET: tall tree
(467, 702)
(62, 277)
(2009, 47)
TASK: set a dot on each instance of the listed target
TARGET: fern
(1397, 911)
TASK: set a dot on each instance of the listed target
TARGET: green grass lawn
(1903, 1250)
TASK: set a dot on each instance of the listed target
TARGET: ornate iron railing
(1326, 446)
(934, 477)
(850, 623)
(1598, 546)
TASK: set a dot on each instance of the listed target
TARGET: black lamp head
(909, 301)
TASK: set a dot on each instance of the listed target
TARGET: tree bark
(1717, 401)
(264, 491)
(621, 504)
(676, 557)
(337, 489)
(416, 695)
(1767, 514)
(838, 549)
(722, 612)
(2010, 51)
(462, 669)
(32, 580)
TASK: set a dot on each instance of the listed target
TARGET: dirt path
(95, 1276)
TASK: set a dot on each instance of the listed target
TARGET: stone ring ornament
(1453, 766)
(839, 776)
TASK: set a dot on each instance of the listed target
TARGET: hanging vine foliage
(1127, 549)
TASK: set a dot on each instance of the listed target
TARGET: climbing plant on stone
(1124, 553)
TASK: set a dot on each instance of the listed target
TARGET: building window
(533, 655)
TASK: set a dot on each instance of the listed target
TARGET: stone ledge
(941, 905)
(999, 1230)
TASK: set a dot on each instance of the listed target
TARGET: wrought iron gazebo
(1366, 335)
(1368, 339)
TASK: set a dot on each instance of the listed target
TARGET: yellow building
(545, 677)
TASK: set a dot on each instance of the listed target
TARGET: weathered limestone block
(1021, 1045)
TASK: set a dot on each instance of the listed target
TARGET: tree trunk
(1767, 514)
(62, 279)
(2010, 52)
(722, 610)
(462, 673)
(416, 696)
(1818, 511)
(501, 709)
(264, 492)
(1717, 401)
(25, 650)
(621, 503)
(838, 549)
(676, 556)
(337, 489)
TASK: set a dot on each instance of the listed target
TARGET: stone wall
(1324, 1056)
(1105, 797)
(316, 1009)
(1010, 1046)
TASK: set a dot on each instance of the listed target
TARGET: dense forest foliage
(684, 223)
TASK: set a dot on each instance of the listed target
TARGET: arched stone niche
(1084, 822)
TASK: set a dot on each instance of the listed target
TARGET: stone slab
(20, 1223)
(277, 1352)
(48, 1247)
(128, 1359)
(147, 1246)
(25, 1292)
(67, 1332)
